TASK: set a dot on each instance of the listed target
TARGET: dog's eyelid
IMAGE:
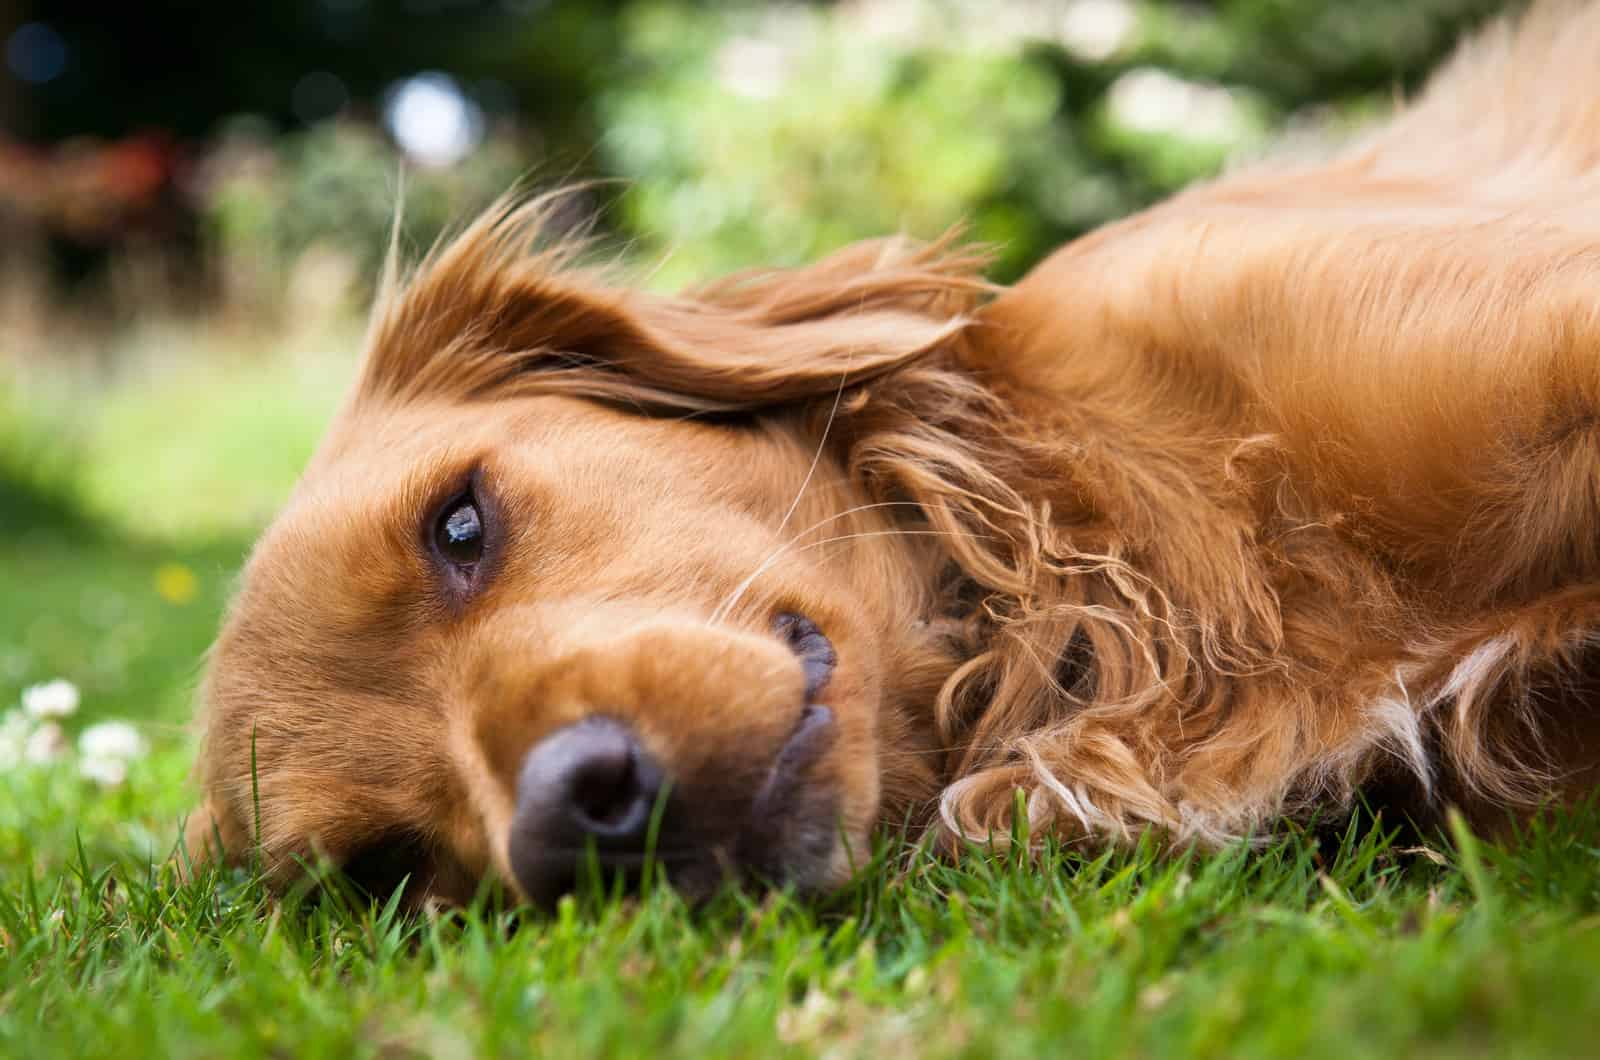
(460, 533)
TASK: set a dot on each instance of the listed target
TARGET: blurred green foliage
(750, 134)
(769, 134)
(736, 133)
(335, 187)
(772, 137)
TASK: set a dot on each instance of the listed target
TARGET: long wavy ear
(490, 313)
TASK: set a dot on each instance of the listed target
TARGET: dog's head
(581, 569)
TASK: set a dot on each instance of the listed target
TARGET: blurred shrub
(765, 135)
(751, 134)
(324, 199)
(771, 137)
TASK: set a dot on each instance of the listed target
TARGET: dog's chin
(802, 854)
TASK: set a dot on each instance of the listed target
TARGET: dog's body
(1286, 486)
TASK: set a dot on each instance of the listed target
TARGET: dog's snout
(589, 783)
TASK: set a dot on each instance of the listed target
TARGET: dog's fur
(1287, 486)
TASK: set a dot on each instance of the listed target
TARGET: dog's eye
(811, 645)
(459, 534)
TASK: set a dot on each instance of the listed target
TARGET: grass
(122, 530)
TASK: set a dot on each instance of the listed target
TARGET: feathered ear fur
(490, 312)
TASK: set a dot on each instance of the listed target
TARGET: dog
(1284, 489)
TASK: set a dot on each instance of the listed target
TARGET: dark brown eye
(459, 534)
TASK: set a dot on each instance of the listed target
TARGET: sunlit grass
(196, 434)
(1350, 948)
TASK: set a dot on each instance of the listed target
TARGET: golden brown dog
(1281, 488)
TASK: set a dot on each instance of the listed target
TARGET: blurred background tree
(224, 143)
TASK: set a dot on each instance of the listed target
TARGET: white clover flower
(111, 739)
(15, 729)
(53, 699)
(45, 744)
(107, 772)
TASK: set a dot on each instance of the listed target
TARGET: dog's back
(1346, 412)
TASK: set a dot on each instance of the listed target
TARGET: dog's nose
(590, 783)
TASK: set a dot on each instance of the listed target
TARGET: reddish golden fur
(1222, 512)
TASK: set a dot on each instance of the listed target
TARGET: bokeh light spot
(433, 121)
(176, 583)
(36, 53)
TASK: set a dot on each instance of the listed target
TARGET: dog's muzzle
(591, 796)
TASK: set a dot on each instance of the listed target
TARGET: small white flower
(115, 740)
(108, 772)
(15, 729)
(53, 699)
(46, 744)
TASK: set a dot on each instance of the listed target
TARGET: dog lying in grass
(1283, 488)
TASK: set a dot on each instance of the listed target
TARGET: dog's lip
(814, 733)
(789, 833)
(811, 646)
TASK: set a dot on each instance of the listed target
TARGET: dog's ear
(488, 313)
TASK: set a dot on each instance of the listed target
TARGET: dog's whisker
(940, 751)
(721, 611)
(816, 458)
(895, 533)
(822, 444)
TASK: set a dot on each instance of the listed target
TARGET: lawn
(125, 508)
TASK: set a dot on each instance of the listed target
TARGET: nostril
(606, 792)
(592, 779)
(589, 785)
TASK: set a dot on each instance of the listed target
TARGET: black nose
(588, 785)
